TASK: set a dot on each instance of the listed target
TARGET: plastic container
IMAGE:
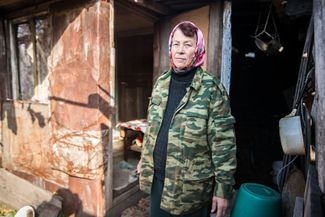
(256, 200)
(26, 211)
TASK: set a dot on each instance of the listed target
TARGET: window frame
(14, 58)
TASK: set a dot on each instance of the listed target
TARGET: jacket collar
(197, 79)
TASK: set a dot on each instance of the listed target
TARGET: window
(31, 49)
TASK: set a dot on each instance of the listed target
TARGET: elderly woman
(189, 153)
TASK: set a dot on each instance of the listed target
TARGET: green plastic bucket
(256, 200)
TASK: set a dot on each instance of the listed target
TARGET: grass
(5, 211)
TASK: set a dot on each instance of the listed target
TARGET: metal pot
(291, 135)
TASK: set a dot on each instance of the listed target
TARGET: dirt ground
(141, 209)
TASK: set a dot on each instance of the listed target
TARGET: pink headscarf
(199, 53)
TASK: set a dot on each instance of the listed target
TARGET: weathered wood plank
(313, 207)
(4, 82)
(214, 37)
(226, 46)
(319, 28)
(155, 7)
(165, 28)
(125, 200)
(17, 192)
(119, 199)
(156, 52)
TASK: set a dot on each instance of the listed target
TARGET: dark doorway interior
(262, 88)
(134, 75)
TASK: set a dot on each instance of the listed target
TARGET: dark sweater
(177, 90)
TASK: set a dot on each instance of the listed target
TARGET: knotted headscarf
(199, 53)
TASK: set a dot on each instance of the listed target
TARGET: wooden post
(215, 38)
(219, 51)
(156, 52)
(319, 26)
(226, 46)
(3, 66)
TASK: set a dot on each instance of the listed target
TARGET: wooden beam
(319, 32)
(17, 192)
(9, 2)
(34, 10)
(132, 8)
(160, 47)
(215, 38)
(226, 46)
(155, 7)
(156, 52)
(143, 31)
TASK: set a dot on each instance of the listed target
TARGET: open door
(135, 79)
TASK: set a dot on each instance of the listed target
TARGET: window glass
(43, 42)
(33, 41)
(26, 61)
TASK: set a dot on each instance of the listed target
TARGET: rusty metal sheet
(65, 142)
(80, 99)
(26, 139)
(79, 83)
(79, 79)
(79, 153)
(91, 193)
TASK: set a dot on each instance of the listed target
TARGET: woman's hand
(220, 205)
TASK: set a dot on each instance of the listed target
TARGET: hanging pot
(291, 135)
(263, 40)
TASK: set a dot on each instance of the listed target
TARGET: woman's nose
(180, 49)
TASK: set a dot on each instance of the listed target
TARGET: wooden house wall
(319, 19)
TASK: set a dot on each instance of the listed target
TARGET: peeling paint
(79, 153)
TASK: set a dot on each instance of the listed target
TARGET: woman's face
(183, 48)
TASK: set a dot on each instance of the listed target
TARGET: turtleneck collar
(184, 76)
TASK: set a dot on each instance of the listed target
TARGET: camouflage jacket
(201, 144)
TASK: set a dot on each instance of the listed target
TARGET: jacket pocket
(198, 181)
(196, 126)
(195, 139)
(197, 191)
